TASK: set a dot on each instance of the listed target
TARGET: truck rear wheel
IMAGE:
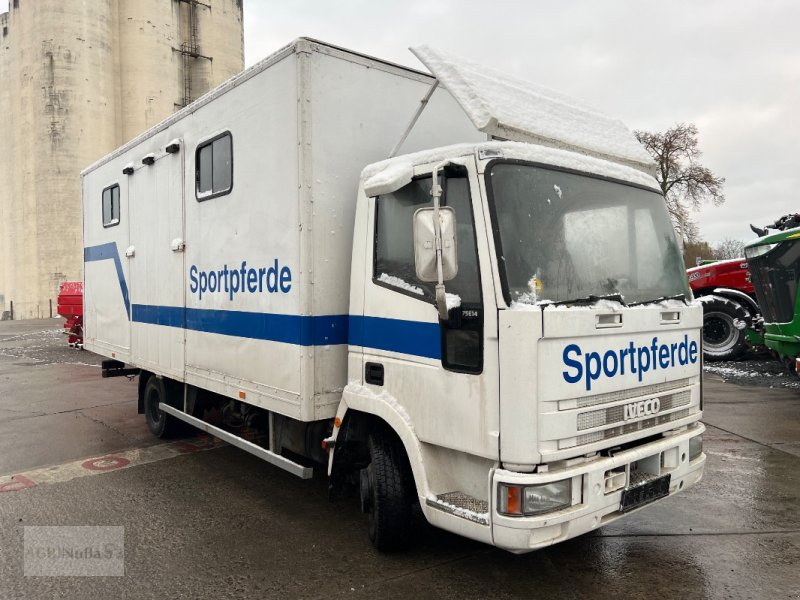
(386, 494)
(159, 423)
(725, 325)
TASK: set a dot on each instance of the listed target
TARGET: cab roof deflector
(511, 109)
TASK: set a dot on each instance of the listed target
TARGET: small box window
(111, 206)
(214, 167)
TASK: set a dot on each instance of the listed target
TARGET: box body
(303, 124)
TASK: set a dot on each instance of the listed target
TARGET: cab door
(443, 374)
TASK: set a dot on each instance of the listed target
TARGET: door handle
(373, 373)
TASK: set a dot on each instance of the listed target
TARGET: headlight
(518, 500)
(695, 447)
(756, 251)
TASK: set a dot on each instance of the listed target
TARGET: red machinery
(730, 311)
(70, 306)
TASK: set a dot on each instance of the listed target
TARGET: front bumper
(597, 491)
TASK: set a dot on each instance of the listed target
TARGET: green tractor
(774, 263)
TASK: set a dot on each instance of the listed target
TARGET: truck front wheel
(386, 493)
(725, 325)
(159, 423)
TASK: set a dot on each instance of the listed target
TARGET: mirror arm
(436, 192)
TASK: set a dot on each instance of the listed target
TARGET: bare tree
(729, 248)
(685, 182)
(695, 251)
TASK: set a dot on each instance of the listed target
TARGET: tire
(159, 423)
(725, 324)
(387, 493)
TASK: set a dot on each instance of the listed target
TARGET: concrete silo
(79, 79)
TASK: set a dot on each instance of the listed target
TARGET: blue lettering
(272, 278)
(592, 374)
(611, 363)
(643, 352)
(203, 283)
(693, 352)
(234, 283)
(683, 351)
(286, 280)
(632, 353)
(193, 279)
(572, 364)
(663, 356)
(276, 278)
(610, 371)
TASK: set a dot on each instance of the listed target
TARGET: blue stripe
(396, 335)
(289, 329)
(109, 252)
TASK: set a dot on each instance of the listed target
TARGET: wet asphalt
(222, 524)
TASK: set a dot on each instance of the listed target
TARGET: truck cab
(561, 388)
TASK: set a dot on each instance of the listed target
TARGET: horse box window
(214, 167)
(111, 206)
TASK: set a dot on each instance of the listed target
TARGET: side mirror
(425, 244)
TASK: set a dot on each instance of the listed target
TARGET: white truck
(495, 325)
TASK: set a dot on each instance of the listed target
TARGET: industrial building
(77, 79)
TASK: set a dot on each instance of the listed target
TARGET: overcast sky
(731, 67)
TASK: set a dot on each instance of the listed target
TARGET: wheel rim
(719, 332)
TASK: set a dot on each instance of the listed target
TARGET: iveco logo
(642, 409)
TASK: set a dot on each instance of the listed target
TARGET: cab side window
(394, 268)
(394, 240)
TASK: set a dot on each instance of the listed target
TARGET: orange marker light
(242, 395)
(514, 500)
(337, 422)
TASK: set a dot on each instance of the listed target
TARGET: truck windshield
(565, 236)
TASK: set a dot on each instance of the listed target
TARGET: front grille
(615, 414)
(638, 392)
(606, 434)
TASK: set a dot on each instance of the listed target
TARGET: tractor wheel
(725, 324)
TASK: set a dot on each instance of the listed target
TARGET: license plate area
(644, 493)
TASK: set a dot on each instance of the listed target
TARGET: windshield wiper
(681, 297)
(591, 299)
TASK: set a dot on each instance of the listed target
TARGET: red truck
(730, 311)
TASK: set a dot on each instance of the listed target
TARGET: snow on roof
(386, 171)
(517, 110)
